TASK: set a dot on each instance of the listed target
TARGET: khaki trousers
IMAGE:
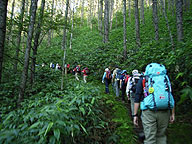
(155, 124)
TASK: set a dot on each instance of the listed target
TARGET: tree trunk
(167, 23)
(173, 5)
(82, 12)
(50, 30)
(129, 10)
(142, 12)
(106, 23)
(11, 23)
(169, 5)
(111, 13)
(155, 19)
(28, 49)
(137, 25)
(72, 28)
(3, 16)
(124, 31)
(19, 36)
(179, 18)
(64, 44)
(36, 40)
(91, 14)
(98, 13)
(101, 17)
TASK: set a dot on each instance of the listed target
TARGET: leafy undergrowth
(80, 113)
(120, 120)
(179, 133)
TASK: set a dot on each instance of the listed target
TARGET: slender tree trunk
(129, 10)
(36, 40)
(82, 12)
(11, 23)
(167, 23)
(137, 25)
(173, 5)
(26, 8)
(169, 5)
(116, 14)
(155, 19)
(3, 16)
(179, 17)
(64, 44)
(51, 30)
(124, 31)
(111, 13)
(27, 13)
(19, 36)
(98, 13)
(106, 23)
(72, 28)
(28, 49)
(91, 14)
(142, 12)
(101, 17)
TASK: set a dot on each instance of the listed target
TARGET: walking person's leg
(162, 120)
(106, 86)
(76, 76)
(123, 92)
(149, 121)
(117, 88)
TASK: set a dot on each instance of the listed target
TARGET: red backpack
(108, 74)
(86, 70)
(126, 78)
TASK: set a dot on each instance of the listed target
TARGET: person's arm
(128, 87)
(172, 117)
(104, 75)
(135, 116)
(114, 72)
(138, 99)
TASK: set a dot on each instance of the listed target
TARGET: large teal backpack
(157, 88)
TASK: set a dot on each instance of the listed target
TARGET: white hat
(106, 69)
(134, 72)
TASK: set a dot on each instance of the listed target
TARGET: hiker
(85, 71)
(77, 71)
(68, 68)
(153, 95)
(57, 67)
(106, 79)
(123, 83)
(52, 65)
(116, 80)
(131, 88)
(43, 65)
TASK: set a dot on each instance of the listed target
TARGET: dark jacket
(139, 91)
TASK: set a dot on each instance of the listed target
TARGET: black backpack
(134, 81)
(118, 74)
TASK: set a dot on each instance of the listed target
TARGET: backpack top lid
(123, 72)
(134, 72)
(155, 69)
(107, 69)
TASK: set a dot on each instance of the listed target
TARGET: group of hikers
(151, 91)
(77, 71)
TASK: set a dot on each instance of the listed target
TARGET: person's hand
(128, 98)
(102, 81)
(135, 121)
(172, 118)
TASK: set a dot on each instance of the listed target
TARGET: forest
(42, 105)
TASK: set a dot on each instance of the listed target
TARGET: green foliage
(55, 116)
